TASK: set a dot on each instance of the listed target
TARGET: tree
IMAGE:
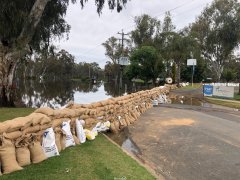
(31, 24)
(218, 32)
(147, 28)
(146, 63)
(229, 74)
(162, 42)
(113, 49)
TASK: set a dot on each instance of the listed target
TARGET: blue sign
(208, 90)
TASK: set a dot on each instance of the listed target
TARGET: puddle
(124, 140)
(195, 101)
(186, 100)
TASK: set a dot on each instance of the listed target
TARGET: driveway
(188, 143)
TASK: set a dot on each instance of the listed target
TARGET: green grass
(237, 97)
(138, 81)
(223, 102)
(195, 86)
(10, 113)
(98, 159)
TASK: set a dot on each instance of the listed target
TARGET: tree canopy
(218, 31)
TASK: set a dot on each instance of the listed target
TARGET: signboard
(207, 90)
(191, 62)
(223, 91)
(124, 61)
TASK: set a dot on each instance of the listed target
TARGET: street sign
(191, 62)
(208, 90)
(223, 91)
(124, 61)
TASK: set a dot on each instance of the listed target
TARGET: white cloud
(89, 31)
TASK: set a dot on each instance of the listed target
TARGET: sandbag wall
(20, 138)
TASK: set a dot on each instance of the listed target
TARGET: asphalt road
(187, 144)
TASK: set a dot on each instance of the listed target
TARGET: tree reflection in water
(57, 94)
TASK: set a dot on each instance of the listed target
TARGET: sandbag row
(35, 148)
(25, 140)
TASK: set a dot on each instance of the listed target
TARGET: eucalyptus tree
(146, 29)
(218, 31)
(146, 64)
(29, 25)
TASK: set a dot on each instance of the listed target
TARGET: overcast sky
(89, 30)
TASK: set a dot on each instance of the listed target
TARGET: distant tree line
(55, 66)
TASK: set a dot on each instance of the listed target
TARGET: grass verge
(10, 113)
(98, 159)
(190, 87)
(223, 102)
(237, 97)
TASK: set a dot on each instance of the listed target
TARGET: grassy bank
(98, 159)
(190, 87)
(10, 113)
(223, 102)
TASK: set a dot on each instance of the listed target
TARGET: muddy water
(123, 138)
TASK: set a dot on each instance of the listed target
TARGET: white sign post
(193, 63)
(124, 61)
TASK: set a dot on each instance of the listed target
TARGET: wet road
(183, 144)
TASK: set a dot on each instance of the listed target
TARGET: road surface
(189, 143)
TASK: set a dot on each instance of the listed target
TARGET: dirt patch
(177, 122)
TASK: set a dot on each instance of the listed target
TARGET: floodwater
(57, 94)
(123, 138)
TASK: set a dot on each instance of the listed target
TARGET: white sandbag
(80, 132)
(49, 144)
(102, 126)
(69, 137)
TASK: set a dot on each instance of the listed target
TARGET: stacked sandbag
(36, 152)
(8, 156)
(22, 151)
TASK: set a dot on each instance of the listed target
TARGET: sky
(89, 30)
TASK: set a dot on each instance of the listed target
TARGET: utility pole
(121, 66)
(122, 39)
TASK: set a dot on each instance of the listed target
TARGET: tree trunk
(9, 56)
(178, 73)
(6, 81)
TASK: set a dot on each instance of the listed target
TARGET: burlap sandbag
(63, 140)
(79, 111)
(19, 123)
(22, 151)
(45, 126)
(36, 152)
(58, 138)
(13, 135)
(76, 140)
(8, 156)
(90, 121)
(97, 104)
(39, 118)
(127, 120)
(73, 130)
(32, 129)
(45, 110)
(57, 122)
(4, 126)
(117, 125)
(113, 129)
(92, 112)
